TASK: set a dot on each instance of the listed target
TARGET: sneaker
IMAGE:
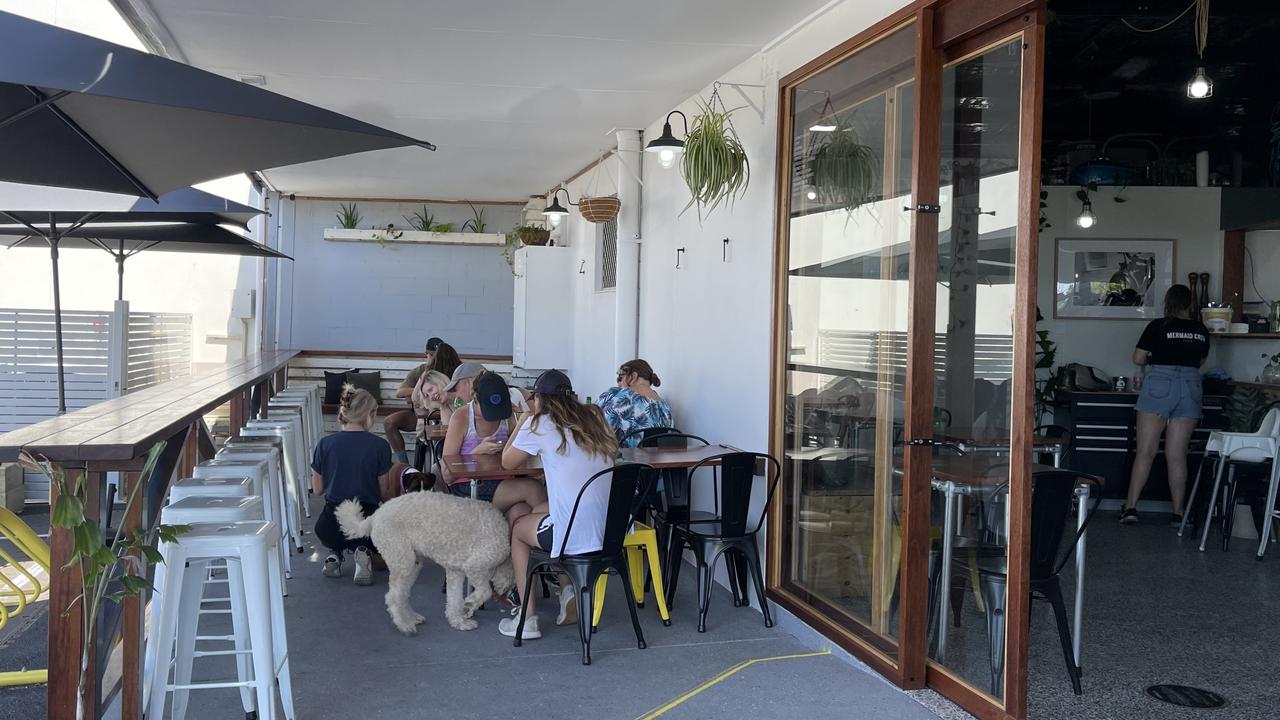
(1129, 516)
(568, 607)
(507, 626)
(333, 566)
(364, 567)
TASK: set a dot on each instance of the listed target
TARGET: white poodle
(468, 538)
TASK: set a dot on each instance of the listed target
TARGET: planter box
(414, 237)
(12, 492)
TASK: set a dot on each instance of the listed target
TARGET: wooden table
(116, 436)
(665, 458)
(971, 442)
(489, 467)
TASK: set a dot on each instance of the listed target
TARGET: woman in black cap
(574, 442)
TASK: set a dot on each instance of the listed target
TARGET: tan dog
(468, 538)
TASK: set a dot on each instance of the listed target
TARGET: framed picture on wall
(1111, 278)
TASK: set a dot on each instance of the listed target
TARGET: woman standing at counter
(1172, 350)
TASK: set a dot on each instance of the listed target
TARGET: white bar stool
(272, 457)
(294, 460)
(291, 407)
(272, 497)
(248, 549)
(194, 487)
(192, 510)
(259, 438)
(314, 401)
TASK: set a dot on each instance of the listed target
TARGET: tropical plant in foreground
(109, 569)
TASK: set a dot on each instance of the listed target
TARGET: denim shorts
(1171, 392)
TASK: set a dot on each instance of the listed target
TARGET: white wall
(362, 296)
(1189, 216)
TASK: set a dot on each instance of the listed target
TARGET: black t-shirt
(350, 463)
(1174, 341)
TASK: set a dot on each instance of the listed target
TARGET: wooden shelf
(1268, 387)
(1246, 336)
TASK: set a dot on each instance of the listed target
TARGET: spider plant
(844, 171)
(423, 220)
(349, 216)
(715, 164)
(476, 224)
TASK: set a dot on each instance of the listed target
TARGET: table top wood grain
(664, 458)
(489, 467)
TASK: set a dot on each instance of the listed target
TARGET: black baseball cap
(493, 396)
(553, 382)
(433, 344)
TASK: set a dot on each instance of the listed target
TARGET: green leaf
(68, 511)
(153, 556)
(88, 538)
(134, 584)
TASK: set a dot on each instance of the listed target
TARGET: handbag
(1083, 378)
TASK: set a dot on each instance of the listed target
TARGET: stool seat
(641, 539)
(193, 486)
(215, 539)
(212, 509)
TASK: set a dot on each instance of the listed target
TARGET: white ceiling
(517, 94)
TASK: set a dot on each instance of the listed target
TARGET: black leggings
(329, 533)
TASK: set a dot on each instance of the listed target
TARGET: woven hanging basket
(599, 209)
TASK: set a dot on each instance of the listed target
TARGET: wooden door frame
(944, 29)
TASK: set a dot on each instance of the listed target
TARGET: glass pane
(974, 359)
(849, 246)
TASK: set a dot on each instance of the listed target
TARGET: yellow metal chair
(19, 585)
(641, 539)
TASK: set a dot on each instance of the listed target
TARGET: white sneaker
(507, 626)
(364, 567)
(333, 566)
(568, 607)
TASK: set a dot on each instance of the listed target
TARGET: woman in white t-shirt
(575, 443)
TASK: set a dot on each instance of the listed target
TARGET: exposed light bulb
(1086, 219)
(555, 219)
(1200, 86)
(812, 194)
(820, 127)
(666, 158)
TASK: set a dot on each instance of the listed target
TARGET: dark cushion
(370, 381)
(333, 382)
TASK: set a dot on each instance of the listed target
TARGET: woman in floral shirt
(634, 404)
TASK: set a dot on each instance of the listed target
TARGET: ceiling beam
(146, 24)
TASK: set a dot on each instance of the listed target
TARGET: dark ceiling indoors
(1112, 92)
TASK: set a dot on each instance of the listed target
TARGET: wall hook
(724, 250)
(582, 269)
(679, 255)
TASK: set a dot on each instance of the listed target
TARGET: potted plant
(844, 172)
(348, 216)
(595, 207)
(530, 234)
(715, 164)
(476, 224)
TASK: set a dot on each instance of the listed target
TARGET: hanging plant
(715, 164)
(595, 207)
(844, 171)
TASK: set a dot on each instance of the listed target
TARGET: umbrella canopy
(42, 206)
(76, 111)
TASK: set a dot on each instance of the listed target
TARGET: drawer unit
(1102, 425)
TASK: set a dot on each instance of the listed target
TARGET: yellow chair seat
(20, 583)
(641, 539)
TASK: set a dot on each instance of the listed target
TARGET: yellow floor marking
(662, 709)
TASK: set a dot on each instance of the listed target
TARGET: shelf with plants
(422, 229)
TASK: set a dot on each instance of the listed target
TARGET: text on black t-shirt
(1174, 341)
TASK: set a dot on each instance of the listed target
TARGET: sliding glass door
(903, 324)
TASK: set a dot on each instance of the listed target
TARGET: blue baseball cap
(493, 396)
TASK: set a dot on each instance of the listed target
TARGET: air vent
(259, 80)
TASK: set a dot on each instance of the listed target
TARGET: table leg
(1057, 456)
(1082, 513)
(944, 579)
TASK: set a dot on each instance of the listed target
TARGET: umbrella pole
(57, 325)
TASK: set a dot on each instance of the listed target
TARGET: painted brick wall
(361, 296)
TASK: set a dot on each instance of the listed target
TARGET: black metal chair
(729, 531)
(645, 433)
(1051, 494)
(1057, 432)
(584, 570)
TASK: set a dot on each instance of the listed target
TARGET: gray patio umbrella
(123, 241)
(35, 204)
(76, 111)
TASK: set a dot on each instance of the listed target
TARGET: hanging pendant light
(1086, 219)
(1200, 86)
(555, 211)
(829, 114)
(666, 146)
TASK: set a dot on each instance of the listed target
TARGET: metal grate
(609, 255)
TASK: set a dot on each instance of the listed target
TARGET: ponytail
(357, 407)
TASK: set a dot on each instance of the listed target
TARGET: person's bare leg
(1176, 439)
(524, 535)
(517, 498)
(394, 424)
(1149, 427)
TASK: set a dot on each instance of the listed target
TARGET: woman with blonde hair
(350, 464)
(574, 442)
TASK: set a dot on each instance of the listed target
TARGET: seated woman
(574, 443)
(488, 434)
(634, 404)
(441, 358)
(351, 464)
